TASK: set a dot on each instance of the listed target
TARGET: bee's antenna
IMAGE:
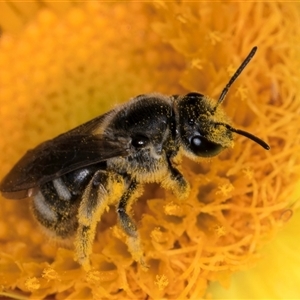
(235, 76)
(247, 135)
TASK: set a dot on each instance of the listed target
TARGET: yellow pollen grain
(214, 37)
(220, 230)
(93, 276)
(242, 92)
(248, 172)
(32, 284)
(231, 69)
(156, 234)
(197, 63)
(172, 209)
(225, 189)
(161, 281)
(50, 274)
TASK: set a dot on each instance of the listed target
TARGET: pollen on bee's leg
(128, 226)
(83, 246)
(95, 199)
(183, 190)
(179, 186)
(133, 240)
(175, 182)
(135, 248)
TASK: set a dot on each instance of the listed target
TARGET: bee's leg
(95, 200)
(176, 182)
(131, 194)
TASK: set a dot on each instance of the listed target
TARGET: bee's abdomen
(56, 203)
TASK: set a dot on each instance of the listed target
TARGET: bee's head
(199, 126)
(203, 128)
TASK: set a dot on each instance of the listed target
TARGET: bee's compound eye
(203, 147)
(139, 141)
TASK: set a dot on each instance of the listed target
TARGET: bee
(75, 176)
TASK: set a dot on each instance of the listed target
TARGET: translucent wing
(67, 152)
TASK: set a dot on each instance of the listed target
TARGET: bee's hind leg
(95, 200)
(132, 193)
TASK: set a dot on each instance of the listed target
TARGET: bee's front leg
(175, 181)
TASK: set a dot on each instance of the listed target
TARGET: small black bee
(75, 176)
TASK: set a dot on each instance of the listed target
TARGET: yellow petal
(276, 275)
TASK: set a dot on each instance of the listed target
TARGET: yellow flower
(276, 274)
(63, 64)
